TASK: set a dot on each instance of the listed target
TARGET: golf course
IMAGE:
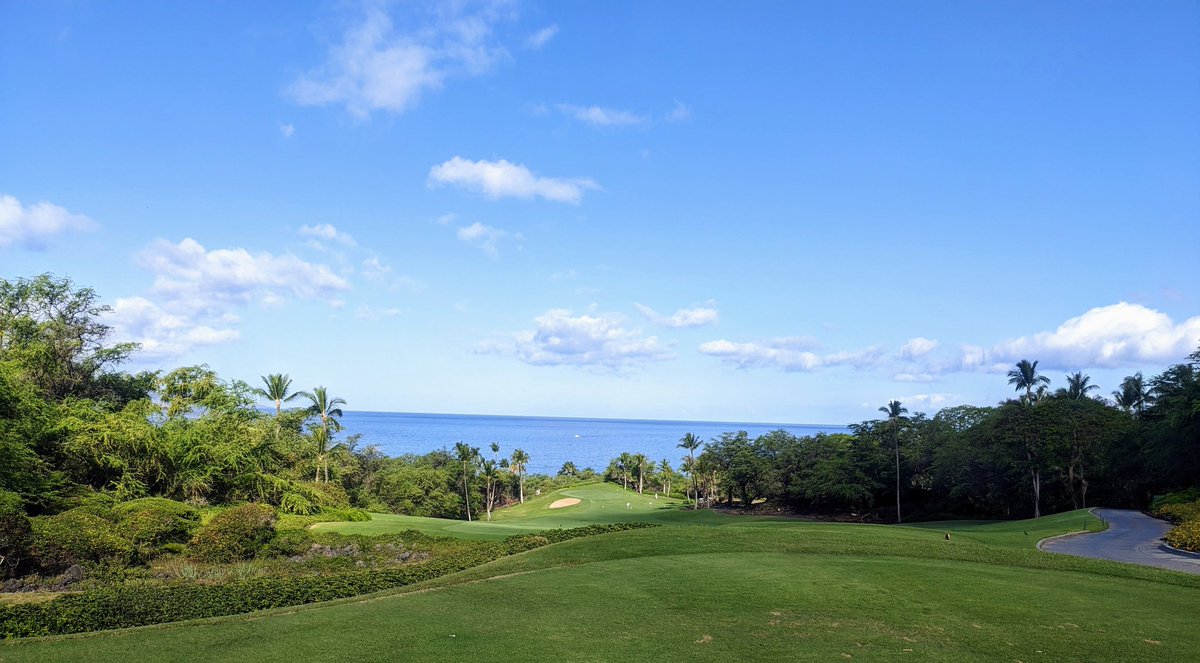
(707, 585)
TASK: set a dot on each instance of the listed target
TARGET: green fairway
(806, 591)
(599, 503)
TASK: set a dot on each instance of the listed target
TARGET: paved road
(1132, 537)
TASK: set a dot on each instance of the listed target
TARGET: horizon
(766, 213)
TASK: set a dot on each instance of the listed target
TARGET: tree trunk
(1037, 492)
(896, 443)
(466, 493)
(521, 481)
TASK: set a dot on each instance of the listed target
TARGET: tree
(624, 463)
(466, 454)
(639, 465)
(518, 463)
(665, 473)
(895, 414)
(1078, 385)
(328, 409)
(56, 333)
(491, 482)
(1134, 395)
(1025, 376)
(568, 470)
(277, 385)
(691, 443)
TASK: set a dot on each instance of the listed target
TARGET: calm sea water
(549, 441)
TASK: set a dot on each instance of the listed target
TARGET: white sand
(569, 501)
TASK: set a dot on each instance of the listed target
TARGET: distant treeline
(1045, 451)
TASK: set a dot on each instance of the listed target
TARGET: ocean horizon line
(707, 422)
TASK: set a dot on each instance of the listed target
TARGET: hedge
(235, 534)
(1186, 534)
(142, 604)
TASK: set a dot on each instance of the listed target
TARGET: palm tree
(320, 438)
(895, 415)
(328, 409)
(691, 443)
(569, 470)
(1078, 385)
(518, 463)
(277, 390)
(466, 454)
(491, 479)
(1025, 376)
(624, 462)
(665, 476)
(1133, 396)
(639, 465)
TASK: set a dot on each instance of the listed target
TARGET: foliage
(233, 534)
(151, 522)
(1186, 535)
(15, 532)
(78, 536)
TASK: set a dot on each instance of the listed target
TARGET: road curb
(1068, 535)
(1166, 547)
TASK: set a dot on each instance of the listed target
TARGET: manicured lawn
(803, 591)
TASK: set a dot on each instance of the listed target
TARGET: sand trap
(569, 501)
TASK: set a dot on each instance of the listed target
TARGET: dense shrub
(78, 536)
(1180, 497)
(1179, 513)
(326, 495)
(287, 543)
(234, 534)
(151, 522)
(14, 533)
(138, 605)
(1186, 536)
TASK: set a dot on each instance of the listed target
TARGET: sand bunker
(569, 501)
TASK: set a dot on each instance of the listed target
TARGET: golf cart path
(1131, 537)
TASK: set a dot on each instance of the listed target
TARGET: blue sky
(788, 212)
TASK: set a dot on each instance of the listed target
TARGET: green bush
(288, 543)
(78, 536)
(151, 522)
(15, 533)
(234, 534)
(326, 494)
(139, 604)
(1185, 536)
(1180, 497)
(1179, 512)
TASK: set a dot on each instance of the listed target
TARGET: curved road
(1131, 537)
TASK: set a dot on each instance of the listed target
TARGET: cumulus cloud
(485, 237)
(160, 333)
(561, 338)
(793, 354)
(927, 399)
(32, 227)
(601, 117)
(501, 179)
(286, 130)
(917, 347)
(539, 39)
(683, 318)
(1114, 336)
(194, 277)
(376, 66)
(326, 231)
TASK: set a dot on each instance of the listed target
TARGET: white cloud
(915, 377)
(445, 219)
(374, 313)
(585, 340)
(485, 237)
(539, 39)
(683, 318)
(792, 354)
(501, 179)
(375, 271)
(287, 130)
(162, 334)
(927, 399)
(33, 226)
(601, 117)
(917, 347)
(564, 275)
(680, 112)
(328, 233)
(1118, 335)
(195, 278)
(377, 67)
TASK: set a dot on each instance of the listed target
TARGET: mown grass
(752, 588)
(803, 592)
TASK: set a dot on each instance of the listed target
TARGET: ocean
(549, 441)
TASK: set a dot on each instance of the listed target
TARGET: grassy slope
(752, 589)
